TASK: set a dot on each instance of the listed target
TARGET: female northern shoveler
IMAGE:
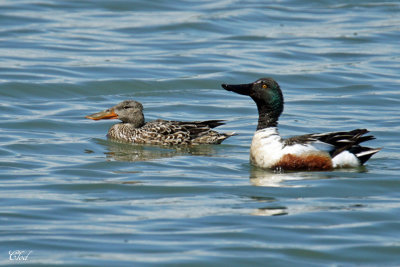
(133, 129)
(320, 151)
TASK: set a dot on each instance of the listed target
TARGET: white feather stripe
(367, 152)
(322, 146)
(299, 149)
(345, 160)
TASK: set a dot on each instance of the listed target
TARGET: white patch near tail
(345, 160)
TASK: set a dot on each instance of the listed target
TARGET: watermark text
(19, 255)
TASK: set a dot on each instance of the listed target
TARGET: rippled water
(71, 197)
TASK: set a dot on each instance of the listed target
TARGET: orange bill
(103, 115)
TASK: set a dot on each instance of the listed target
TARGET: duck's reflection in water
(269, 178)
(134, 152)
(298, 180)
(270, 208)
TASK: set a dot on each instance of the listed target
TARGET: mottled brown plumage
(133, 129)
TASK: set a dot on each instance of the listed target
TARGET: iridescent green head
(268, 96)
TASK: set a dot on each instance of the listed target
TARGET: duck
(309, 152)
(134, 129)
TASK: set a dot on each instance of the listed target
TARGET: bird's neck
(267, 117)
(137, 121)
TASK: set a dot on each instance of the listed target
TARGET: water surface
(72, 197)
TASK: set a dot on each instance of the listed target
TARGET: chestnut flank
(310, 162)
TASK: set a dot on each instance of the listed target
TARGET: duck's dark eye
(126, 107)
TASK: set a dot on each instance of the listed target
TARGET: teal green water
(70, 197)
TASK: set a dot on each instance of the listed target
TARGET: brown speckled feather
(161, 132)
(133, 129)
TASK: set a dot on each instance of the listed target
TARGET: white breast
(266, 148)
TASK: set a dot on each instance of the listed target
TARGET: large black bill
(243, 89)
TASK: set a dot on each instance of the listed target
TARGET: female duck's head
(128, 111)
(268, 97)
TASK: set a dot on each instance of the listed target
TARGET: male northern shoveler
(320, 151)
(133, 128)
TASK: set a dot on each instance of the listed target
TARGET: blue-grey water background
(71, 197)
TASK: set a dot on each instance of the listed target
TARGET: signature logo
(19, 255)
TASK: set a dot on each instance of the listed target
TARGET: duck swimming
(313, 152)
(133, 128)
